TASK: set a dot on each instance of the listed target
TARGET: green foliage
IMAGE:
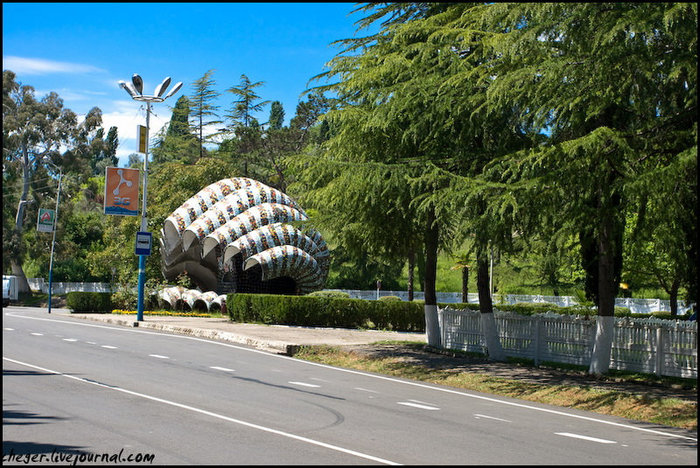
(336, 294)
(124, 299)
(325, 312)
(87, 302)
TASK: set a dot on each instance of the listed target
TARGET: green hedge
(387, 314)
(315, 311)
(86, 302)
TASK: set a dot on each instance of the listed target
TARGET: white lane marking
(304, 384)
(9, 329)
(423, 402)
(350, 371)
(221, 369)
(416, 405)
(592, 439)
(69, 339)
(158, 356)
(365, 390)
(479, 416)
(214, 415)
(38, 334)
(90, 342)
(108, 346)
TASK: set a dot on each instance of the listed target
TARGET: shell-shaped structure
(234, 236)
(291, 260)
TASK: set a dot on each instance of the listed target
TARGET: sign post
(135, 90)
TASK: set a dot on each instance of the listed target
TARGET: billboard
(122, 191)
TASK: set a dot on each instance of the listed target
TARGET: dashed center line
(417, 405)
(365, 390)
(38, 334)
(8, 329)
(479, 416)
(69, 339)
(304, 384)
(221, 369)
(579, 436)
(158, 356)
(109, 347)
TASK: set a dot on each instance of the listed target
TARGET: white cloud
(36, 66)
(127, 116)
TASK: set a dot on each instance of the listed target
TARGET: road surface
(73, 388)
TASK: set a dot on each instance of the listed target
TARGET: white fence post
(660, 350)
(537, 337)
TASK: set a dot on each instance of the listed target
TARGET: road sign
(45, 221)
(121, 191)
(144, 240)
(142, 137)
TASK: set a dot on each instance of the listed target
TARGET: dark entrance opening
(250, 281)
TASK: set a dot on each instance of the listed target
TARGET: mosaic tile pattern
(269, 236)
(250, 220)
(231, 206)
(241, 216)
(205, 198)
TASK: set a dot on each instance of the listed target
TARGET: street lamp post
(55, 227)
(135, 90)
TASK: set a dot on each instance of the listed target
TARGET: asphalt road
(72, 388)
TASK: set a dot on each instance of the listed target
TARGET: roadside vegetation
(640, 407)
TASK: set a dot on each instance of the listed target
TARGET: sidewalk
(280, 339)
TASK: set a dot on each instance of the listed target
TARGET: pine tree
(203, 110)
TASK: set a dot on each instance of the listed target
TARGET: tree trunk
(487, 320)
(411, 268)
(465, 284)
(673, 293)
(16, 260)
(608, 283)
(432, 325)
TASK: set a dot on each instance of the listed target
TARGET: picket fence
(654, 346)
(635, 305)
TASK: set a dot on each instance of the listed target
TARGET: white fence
(636, 306)
(662, 347)
(39, 285)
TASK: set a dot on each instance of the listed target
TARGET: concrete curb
(277, 347)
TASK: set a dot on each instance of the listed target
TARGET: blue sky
(82, 50)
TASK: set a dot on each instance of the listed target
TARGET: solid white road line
(374, 376)
(592, 439)
(214, 415)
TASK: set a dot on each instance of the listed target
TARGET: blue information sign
(144, 241)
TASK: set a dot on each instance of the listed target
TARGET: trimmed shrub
(89, 302)
(389, 298)
(315, 311)
(341, 294)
